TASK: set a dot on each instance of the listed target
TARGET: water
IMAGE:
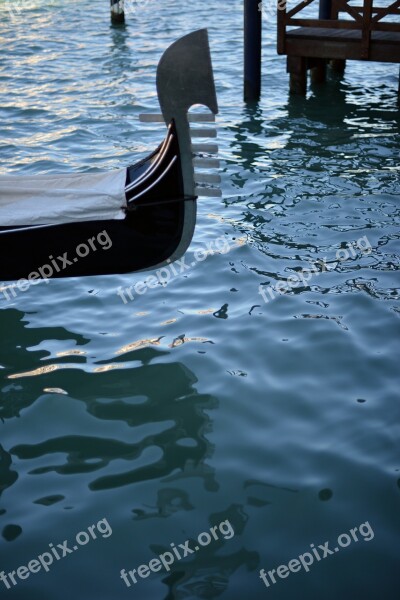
(199, 403)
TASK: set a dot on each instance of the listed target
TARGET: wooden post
(318, 70)
(366, 30)
(281, 33)
(338, 65)
(297, 67)
(325, 9)
(252, 50)
(398, 90)
(117, 12)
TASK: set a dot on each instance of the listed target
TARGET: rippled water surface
(199, 402)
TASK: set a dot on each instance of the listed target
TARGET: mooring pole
(325, 8)
(318, 70)
(398, 91)
(252, 49)
(117, 11)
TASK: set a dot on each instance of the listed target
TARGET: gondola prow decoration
(147, 211)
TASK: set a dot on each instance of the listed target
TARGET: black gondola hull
(142, 240)
(148, 236)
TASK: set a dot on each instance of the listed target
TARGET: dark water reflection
(140, 398)
(147, 394)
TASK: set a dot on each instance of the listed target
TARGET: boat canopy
(68, 198)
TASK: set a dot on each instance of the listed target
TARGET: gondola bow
(147, 211)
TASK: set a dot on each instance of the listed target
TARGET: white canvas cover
(56, 199)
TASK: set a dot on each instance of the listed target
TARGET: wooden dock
(366, 33)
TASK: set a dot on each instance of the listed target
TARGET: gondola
(55, 225)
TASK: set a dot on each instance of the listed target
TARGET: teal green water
(199, 403)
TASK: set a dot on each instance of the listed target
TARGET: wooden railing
(365, 18)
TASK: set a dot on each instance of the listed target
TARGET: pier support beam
(325, 9)
(297, 67)
(318, 70)
(398, 90)
(117, 12)
(252, 50)
(338, 65)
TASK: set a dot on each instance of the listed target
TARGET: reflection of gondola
(147, 210)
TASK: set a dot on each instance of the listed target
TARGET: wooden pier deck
(365, 34)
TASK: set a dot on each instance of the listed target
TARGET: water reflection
(7, 476)
(306, 129)
(158, 402)
(207, 574)
(119, 59)
(246, 138)
(314, 178)
(139, 397)
(17, 353)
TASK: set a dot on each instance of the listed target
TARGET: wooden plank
(377, 10)
(349, 49)
(325, 24)
(314, 33)
(325, 49)
(385, 36)
(341, 24)
(386, 27)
